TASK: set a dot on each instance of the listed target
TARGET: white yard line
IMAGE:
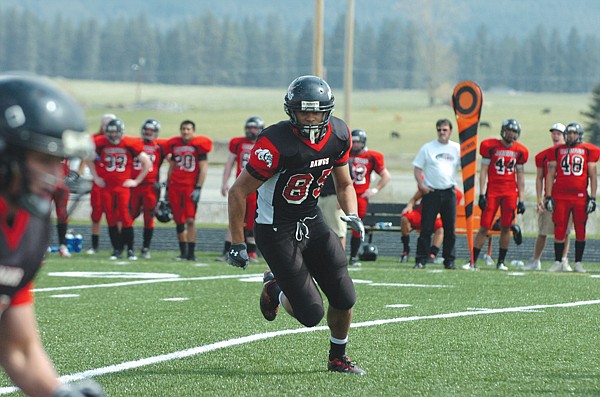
(256, 337)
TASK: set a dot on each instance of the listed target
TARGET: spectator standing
(289, 165)
(239, 153)
(39, 126)
(145, 195)
(117, 153)
(187, 172)
(502, 179)
(363, 162)
(571, 192)
(435, 168)
(545, 223)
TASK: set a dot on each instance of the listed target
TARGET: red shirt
(242, 148)
(156, 154)
(115, 162)
(571, 180)
(186, 157)
(361, 166)
(503, 165)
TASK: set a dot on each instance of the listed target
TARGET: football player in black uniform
(39, 125)
(288, 166)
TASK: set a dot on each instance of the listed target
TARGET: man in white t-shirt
(435, 169)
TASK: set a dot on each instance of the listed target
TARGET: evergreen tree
(593, 115)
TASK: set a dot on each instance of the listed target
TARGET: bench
(385, 217)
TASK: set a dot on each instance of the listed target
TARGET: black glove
(482, 201)
(196, 194)
(238, 255)
(86, 388)
(355, 223)
(520, 207)
(590, 205)
(549, 203)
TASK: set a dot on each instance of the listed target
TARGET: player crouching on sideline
(39, 125)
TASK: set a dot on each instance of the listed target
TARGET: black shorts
(318, 255)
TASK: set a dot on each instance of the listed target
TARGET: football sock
(226, 247)
(337, 347)
(61, 229)
(183, 249)
(502, 255)
(406, 243)
(95, 241)
(148, 232)
(354, 246)
(434, 250)
(579, 248)
(558, 250)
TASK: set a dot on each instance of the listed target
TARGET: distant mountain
(461, 17)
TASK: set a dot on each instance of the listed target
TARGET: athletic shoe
(91, 251)
(579, 268)
(222, 258)
(556, 267)
(355, 262)
(131, 255)
(419, 265)
(404, 257)
(344, 365)
(565, 265)
(268, 308)
(488, 260)
(253, 257)
(450, 266)
(145, 253)
(64, 251)
(533, 264)
(430, 259)
(116, 254)
(180, 258)
(501, 266)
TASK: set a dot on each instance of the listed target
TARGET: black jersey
(23, 245)
(294, 170)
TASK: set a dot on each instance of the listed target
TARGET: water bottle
(77, 242)
(70, 240)
(53, 248)
(517, 263)
(383, 225)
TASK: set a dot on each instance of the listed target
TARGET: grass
(220, 112)
(447, 337)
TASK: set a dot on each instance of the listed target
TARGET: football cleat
(354, 262)
(91, 251)
(565, 265)
(344, 365)
(579, 268)
(116, 254)
(501, 266)
(419, 265)
(404, 257)
(534, 264)
(131, 255)
(145, 254)
(268, 308)
(556, 267)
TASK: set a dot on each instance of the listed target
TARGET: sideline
(256, 337)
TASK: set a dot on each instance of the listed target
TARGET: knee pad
(180, 228)
(311, 315)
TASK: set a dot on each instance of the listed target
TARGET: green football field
(163, 328)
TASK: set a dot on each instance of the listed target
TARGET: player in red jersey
(289, 165)
(187, 172)
(239, 153)
(545, 223)
(362, 163)
(39, 126)
(114, 175)
(571, 186)
(95, 197)
(502, 179)
(145, 195)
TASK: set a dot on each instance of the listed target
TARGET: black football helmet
(368, 252)
(309, 94)
(510, 124)
(253, 127)
(150, 130)
(573, 127)
(359, 136)
(114, 131)
(36, 115)
(163, 211)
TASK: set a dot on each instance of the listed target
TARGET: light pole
(137, 68)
